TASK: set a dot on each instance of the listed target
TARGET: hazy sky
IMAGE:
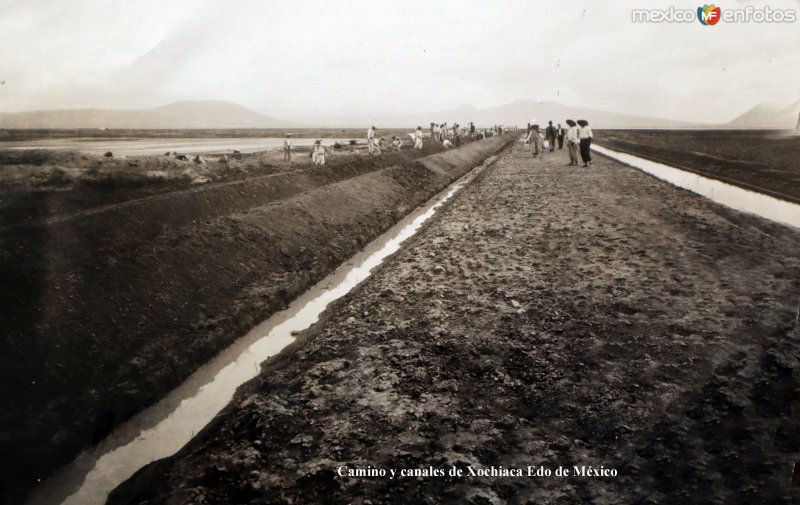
(297, 58)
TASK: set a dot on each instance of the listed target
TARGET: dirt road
(552, 316)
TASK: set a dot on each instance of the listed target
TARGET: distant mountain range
(220, 114)
(769, 115)
(178, 115)
(518, 113)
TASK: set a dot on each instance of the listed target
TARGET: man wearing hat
(585, 136)
(318, 153)
(535, 139)
(572, 141)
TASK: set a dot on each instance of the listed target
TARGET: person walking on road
(535, 139)
(585, 136)
(371, 140)
(550, 134)
(560, 132)
(572, 141)
(287, 148)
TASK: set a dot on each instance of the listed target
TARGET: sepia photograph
(352, 252)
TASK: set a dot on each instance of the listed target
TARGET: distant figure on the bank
(571, 136)
(456, 135)
(418, 138)
(560, 133)
(433, 133)
(318, 153)
(397, 142)
(371, 140)
(287, 147)
(551, 134)
(585, 135)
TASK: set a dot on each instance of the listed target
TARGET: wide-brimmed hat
(571, 122)
(583, 122)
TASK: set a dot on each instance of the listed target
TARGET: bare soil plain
(115, 286)
(766, 161)
(549, 316)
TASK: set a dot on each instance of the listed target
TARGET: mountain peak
(767, 115)
(177, 115)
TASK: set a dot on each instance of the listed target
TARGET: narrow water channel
(165, 427)
(744, 200)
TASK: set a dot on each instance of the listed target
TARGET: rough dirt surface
(106, 308)
(550, 316)
(765, 161)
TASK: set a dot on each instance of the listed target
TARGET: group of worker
(447, 136)
(578, 136)
(317, 153)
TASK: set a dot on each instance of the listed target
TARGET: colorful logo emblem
(708, 14)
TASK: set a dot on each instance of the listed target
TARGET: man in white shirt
(287, 148)
(572, 141)
(371, 140)
(585, 136)
(318, 153)
(418, 138)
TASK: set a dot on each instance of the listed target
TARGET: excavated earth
(110, 296)
(550, 317)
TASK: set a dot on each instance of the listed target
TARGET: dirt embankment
(551, 316)
(106, 309)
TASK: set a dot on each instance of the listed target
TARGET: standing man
(371, 140)
(318, 153)
(585, 136)
(560, 132)
(550, 133)
(572, 142)
(287, 148)
(535, 139)
(433, 132)
(418, 138)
